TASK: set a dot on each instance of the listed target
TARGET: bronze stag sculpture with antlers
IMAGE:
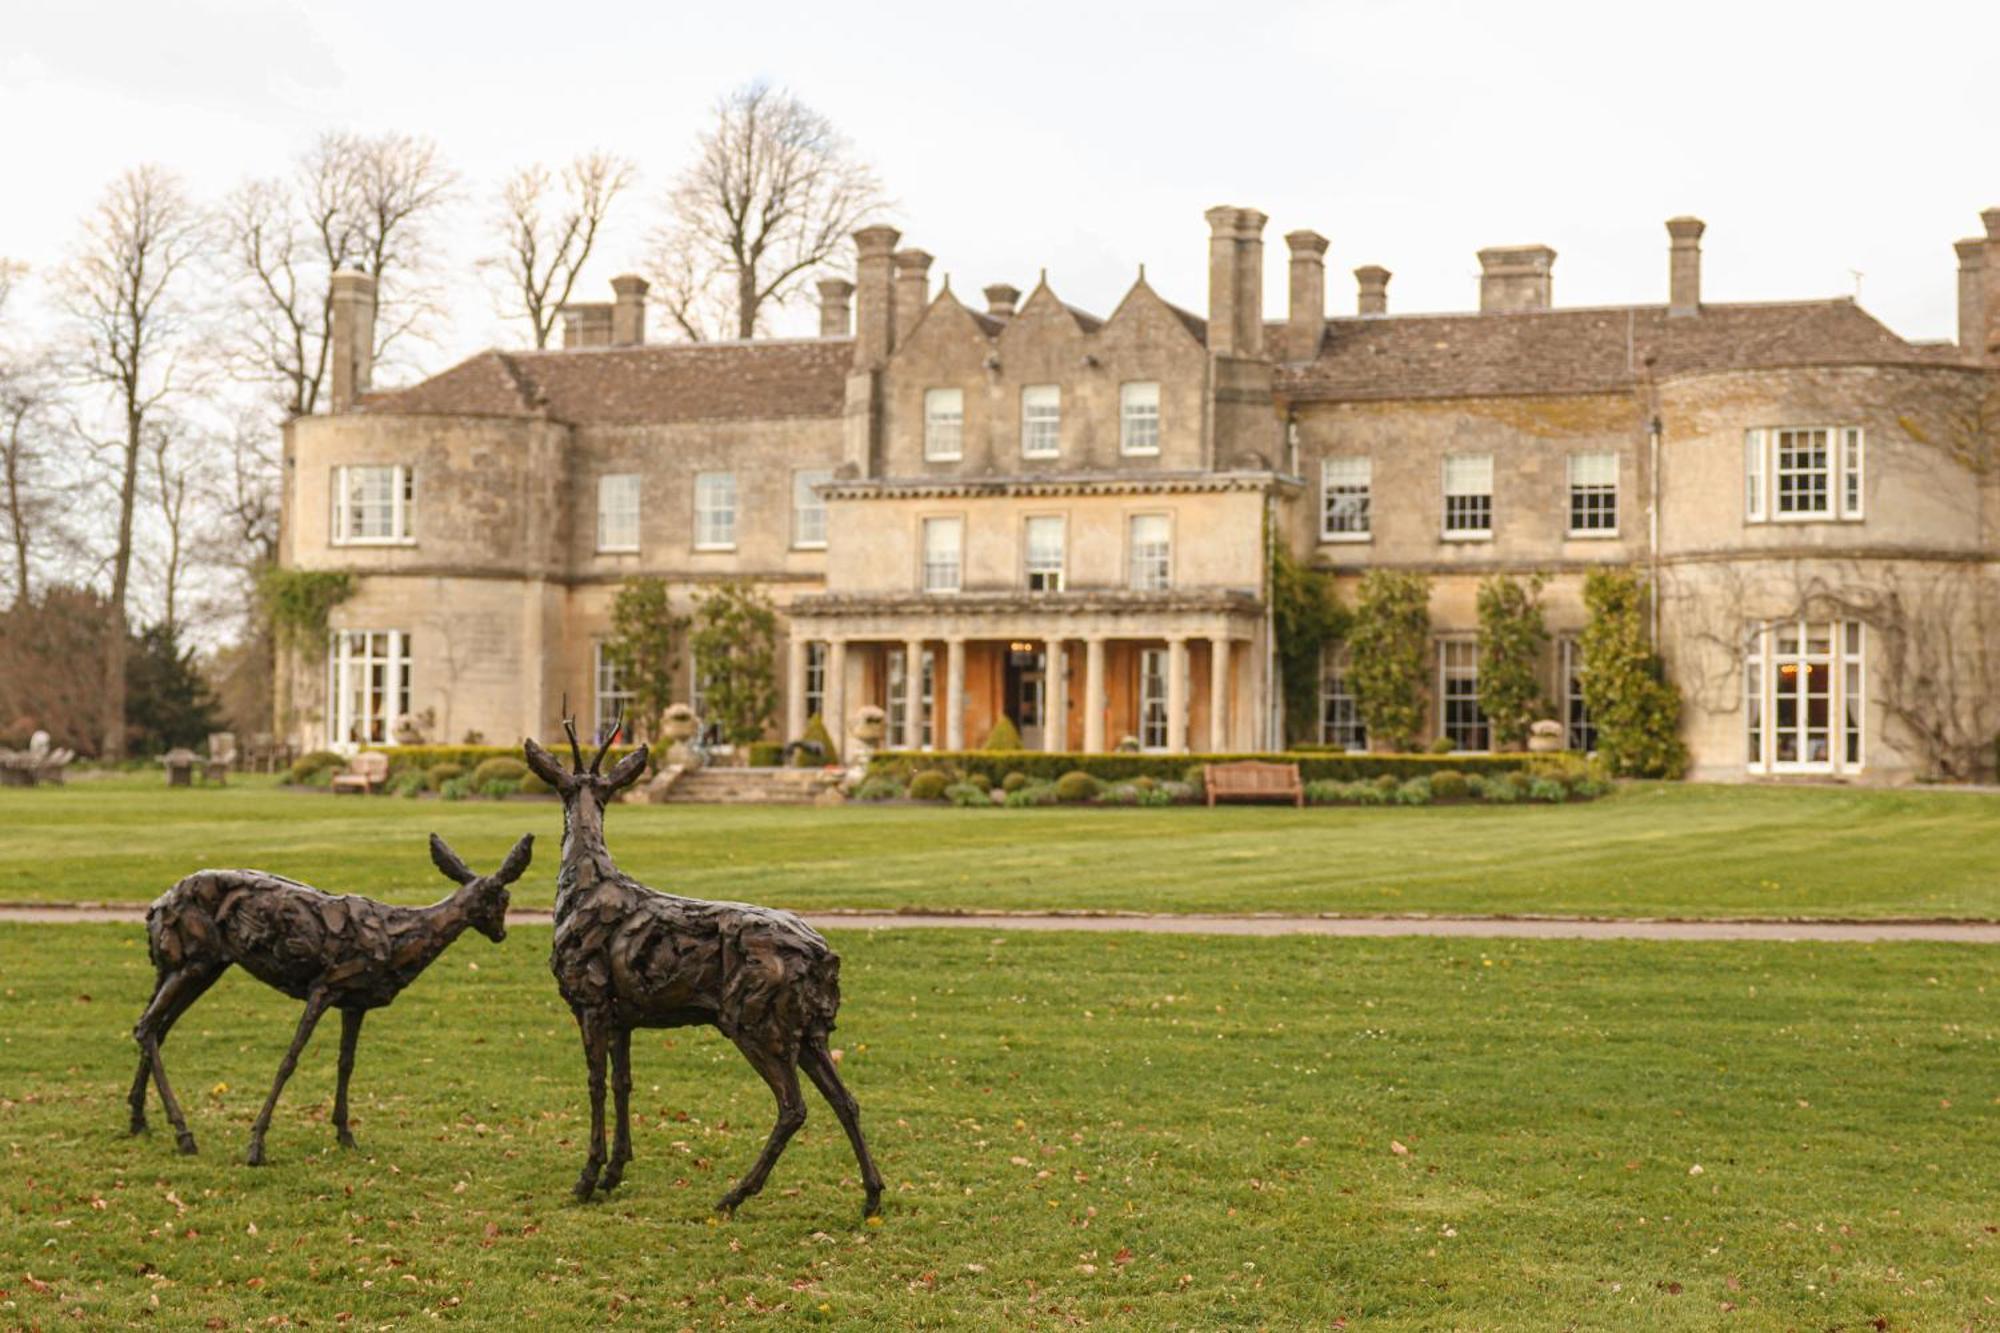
(334, 951)
(626, 956)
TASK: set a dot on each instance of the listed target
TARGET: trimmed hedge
(1038, 765)
(500, 768)
(470, 757)
(766, 754)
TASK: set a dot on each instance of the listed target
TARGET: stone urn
(1545, 737)
(678, 723)
(870, 724)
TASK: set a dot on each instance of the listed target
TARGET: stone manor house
(1017, 507)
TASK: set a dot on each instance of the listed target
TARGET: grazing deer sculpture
(334, 951)
(626, 956)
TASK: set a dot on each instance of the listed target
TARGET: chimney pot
(1235, 281)
(1991, 217)
(1515, 277)
(628, 310)
(1684, 265)
(586, 324)
(1305, 323)
(1002, 299)
(874, 295)
(1372, 295)
(352, 294)
(835, 297)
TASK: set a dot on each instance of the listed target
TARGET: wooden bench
(365, 772)
(1253, 780)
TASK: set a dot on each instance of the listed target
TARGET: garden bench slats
(365, 772)
(1253, 780)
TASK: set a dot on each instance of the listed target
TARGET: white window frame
(1845, 470)
(1458, 662)
(1768, 688)
(352, 679)
(809, 508)
(1461, 490)
(1347, 492)
(1053, 577)
(1585, 484)
(896, 692)
(1147, 571)
(944, 425)
(937, 574)
(1139, 418)
(402, 505)
(612, 694)
(618, 502)
(715, 511)
(1579, 732)
(697, 693)
(1339, 711)
(1152, 696)
(815, 683)
(1041, 421)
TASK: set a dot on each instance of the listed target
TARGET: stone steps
(746, 786)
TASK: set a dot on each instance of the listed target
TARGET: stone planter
(679, 723)
(870, 723)
(1546, 737)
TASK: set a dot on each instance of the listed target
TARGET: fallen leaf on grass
(1398, 1149)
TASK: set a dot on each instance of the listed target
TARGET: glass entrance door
(1026, 691)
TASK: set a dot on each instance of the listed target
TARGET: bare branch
(773, 193)
(547, 230)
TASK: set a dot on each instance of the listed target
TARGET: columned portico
(1055, 699)
(836, 693)
(954, 694)
(1093, 695)
(1218, 694)
(795, 689)
(913, 713)
(1177, 692)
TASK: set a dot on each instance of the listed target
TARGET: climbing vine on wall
(298, 601)
(1307, 618)
(1388, 647)
(1512, 641)
(1637, 713)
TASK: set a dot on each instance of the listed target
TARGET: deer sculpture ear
(626, 771)
(517, 860)
(544, 765)
(446, 860)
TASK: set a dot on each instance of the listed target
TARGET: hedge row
(470, 757)
(995, 765)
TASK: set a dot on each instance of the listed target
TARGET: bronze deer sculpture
(334, 951)
(626, 956)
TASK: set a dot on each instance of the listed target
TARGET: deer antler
(617, 725)
(569, 727)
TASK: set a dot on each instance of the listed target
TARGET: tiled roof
(635, 385)
(1576, 350)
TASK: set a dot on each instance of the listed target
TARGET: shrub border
(995, 765)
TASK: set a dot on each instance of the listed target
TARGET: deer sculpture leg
(315, 1006)
(621, 1095)
(175, 992)
(817, 1061)
(350, 1037)
(596, 1041)
(780, 1070)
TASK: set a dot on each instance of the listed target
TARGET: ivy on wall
(1512, 640)
(299, 601)
(1306, 618)
(1388, 651)
(1637, 713)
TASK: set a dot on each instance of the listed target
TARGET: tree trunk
(121, 577)
(746, 302)
(18, 521)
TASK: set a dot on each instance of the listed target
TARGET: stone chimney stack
(835, 297)
(874, 295)
(353, 297)
(628, 310)
(1305, 322)
(1684, 265)
(586, 324)
(1372, 294)
(913, 291)
(1235, 281)
(1972, 296)
(1991, 266)
(1515, 277)
(1001, 300)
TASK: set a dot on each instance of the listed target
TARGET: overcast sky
(1088, 139)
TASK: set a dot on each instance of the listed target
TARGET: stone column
(795, 690)
(954, 694)
(1218, 694)
(1177, 674)
(913, 694)
(1055, 700)
(836, 694)
(1093, 696)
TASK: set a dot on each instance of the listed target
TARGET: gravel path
(1480, 927)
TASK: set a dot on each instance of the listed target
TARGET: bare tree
(28, 489)
(11, 272)
(350, 201)
(173, 456)
(773, 193)
(124, 290)
(548, 223)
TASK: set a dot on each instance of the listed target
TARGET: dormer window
(944, 425)
(1139, 418)
(1041, 421)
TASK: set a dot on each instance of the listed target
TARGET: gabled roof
(660, 382)
(1577, 350)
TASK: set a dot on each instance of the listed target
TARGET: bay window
(368, 686)
(1805, 696)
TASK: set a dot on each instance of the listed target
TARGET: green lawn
(1651, 850)
(1144, 1132)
